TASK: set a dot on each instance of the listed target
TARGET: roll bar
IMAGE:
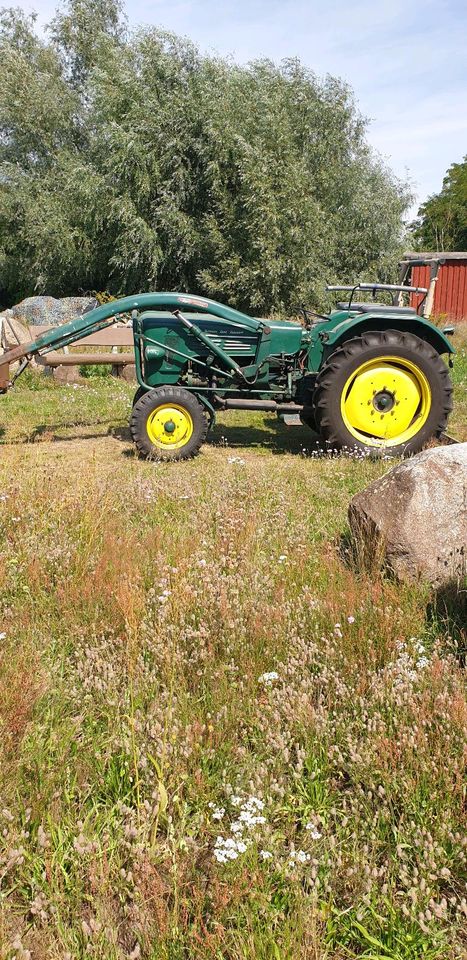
(392, 288)
(379, 286)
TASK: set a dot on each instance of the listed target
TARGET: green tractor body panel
(168, 350)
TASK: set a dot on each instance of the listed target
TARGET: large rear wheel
(386, 391)
(168, 423)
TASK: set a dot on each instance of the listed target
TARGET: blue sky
(406, 61)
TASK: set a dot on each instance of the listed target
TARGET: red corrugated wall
(450, 292)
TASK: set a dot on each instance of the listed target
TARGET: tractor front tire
(139, 393)
(386, 392)
(168, 423)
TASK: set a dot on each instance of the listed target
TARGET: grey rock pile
(39, 311)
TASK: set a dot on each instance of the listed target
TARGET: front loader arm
(109, 313)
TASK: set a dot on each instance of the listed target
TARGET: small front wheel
(139, 393)
(168, 423)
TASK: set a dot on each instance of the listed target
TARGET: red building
(445, 276)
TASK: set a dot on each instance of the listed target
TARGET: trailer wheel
(385, 392)
(168, 423)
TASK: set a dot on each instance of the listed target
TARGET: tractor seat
(375, 308)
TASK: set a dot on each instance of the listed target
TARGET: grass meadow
(218, 739)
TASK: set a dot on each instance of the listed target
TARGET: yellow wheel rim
(169, 426)
(386, 401)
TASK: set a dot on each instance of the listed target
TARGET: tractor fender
(355, 326)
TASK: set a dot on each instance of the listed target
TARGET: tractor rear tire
(308, 418)
(386, 392)
(168, 423)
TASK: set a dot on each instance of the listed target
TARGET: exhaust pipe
(269, 406)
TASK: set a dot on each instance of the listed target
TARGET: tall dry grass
(219, 740)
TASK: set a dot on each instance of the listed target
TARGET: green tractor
(368, 377)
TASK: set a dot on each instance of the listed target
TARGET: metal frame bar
(379, 286)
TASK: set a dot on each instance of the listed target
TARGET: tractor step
(292, 419)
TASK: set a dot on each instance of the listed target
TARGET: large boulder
(414, 519)
(12, 332)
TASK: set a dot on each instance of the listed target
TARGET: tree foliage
(131, 161)
(442, 223)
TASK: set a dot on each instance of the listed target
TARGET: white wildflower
(313, 831)
(228, 849)
(254, 802)
(298, 856)
(250, 819)
(268, 678)
(42, 838)
(422, 662)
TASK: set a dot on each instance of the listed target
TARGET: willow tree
(130, 161)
